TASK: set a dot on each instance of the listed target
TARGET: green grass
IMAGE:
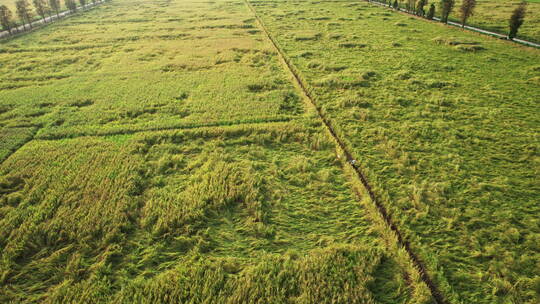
(159, 151)
(194, 215)
(158, 70)
(445, 123)
(12, 138)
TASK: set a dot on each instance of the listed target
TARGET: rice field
(445, 127)
(185, 151)
(216, 208)
(142, 70)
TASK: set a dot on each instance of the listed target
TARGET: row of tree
(43, 8)
(466, 10)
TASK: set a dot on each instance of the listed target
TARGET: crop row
(228, 214)
(85, 76)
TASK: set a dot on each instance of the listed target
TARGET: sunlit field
(187, 151)
(494, 14)
(446, 124)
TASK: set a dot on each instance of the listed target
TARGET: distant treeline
(417, 7)
(45, 9)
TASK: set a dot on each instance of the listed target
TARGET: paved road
(36, 23)
(471, 28)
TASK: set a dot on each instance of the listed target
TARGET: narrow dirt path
(437, 295)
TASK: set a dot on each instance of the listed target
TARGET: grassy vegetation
(130, 67)
(12, 138)
(159, 151)
(445, 123)
(240, 214)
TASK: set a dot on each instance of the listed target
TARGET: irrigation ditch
(352, 163)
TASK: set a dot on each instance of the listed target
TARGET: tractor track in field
(435, 292)
(170, 128)
(157, 129)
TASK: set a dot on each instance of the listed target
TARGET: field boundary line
(170, 128)
(435, 292)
